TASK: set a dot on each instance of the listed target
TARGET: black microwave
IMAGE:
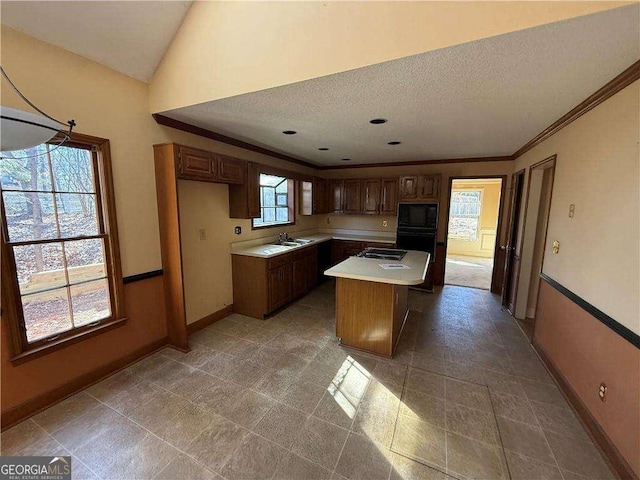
(418, 215)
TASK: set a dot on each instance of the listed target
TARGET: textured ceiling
(484, 98)
(130, 37)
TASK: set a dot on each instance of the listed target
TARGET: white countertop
(369, 269)
(269, 250)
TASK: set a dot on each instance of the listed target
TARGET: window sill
(73, 338)
(272, 225)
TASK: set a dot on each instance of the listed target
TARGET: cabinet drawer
(196, 164)
(278, 261)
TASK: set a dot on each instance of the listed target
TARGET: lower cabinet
(263, 285)
(343, 249)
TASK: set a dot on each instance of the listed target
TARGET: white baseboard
(531, 312)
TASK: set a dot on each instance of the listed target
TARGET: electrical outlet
(556, 247)
(203, 234)
(572, 210)
(238, 230)
(385, 223)
(602, 392)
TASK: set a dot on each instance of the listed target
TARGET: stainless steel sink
(303, 241)
(294, 243)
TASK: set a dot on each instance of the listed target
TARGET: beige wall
(230, 48)
(597, 169)
(488, 222)
(106, 104)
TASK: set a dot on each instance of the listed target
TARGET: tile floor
(465, 397)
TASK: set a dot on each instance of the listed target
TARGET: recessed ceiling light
(289, 132)
(345, 159)
(394, 143)
(378, 121)
(324, 149)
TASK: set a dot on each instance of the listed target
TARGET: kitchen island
(372, 299)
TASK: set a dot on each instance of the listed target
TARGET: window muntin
(275, 201)
(56, 238)
(464, 217)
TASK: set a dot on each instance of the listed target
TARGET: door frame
(549, 162)
(508, 265)
(498, 226)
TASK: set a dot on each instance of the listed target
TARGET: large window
(276, 201)
(60, 265)
(465, 214)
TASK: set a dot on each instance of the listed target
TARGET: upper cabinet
(244, 199)
(371, 196)
(420, 187)
(351, 196)
(230, 170)
(336, 196)
(314, 197)
(194, 164)
(388, 196)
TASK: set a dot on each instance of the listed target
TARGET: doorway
(472, 231)
(510, 250)
(533, 242)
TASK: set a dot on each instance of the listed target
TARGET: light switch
(203, 234)
(385, 223)
(556, 246)
(572, 210)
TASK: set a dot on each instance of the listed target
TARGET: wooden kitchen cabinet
(230, 170)
(195, 164)
(419, 188)
(313, 197)
(336, 196)
(263, 285)
(371, 193)
(389, 196)
(352, 199)
(244, 199)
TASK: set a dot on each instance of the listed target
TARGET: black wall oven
(418, 227)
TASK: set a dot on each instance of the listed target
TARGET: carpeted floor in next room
(465, 397)
(468, 271)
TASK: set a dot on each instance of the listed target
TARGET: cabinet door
(352, 196)
(287, 283)
(351, 249)
(253, 190)
(230, 170)
(389, 196)
(319, 196)
(195, 164)
(299, 277)
(371, 197)
(409, 187)
(430, 187)
(275, 288)
(244, 199)
(336, 192)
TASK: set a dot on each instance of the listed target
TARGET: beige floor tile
(513, 407)
(543, 393)
(15, 439)
(429, 362)
(289, 364)
(404, 468)
(303, 396)
(150, 365)
(243, 348)
(473, 459)
(247, 409)
(183, 467)
(420, 441)
(112, 386)
(468, 394)
(524, 439)
(220, 342)
(294, 467)
(281, 424)
(248, 373)
(44, 446)
(319, 373)
(256, 459)
(217, 443)
(219, 396)
(560, 420)
(54, 418)
(425, 382)
(472, 423)
(386, 372)
(170, 375)
(273, 384)
(223, 365)
(500, 382)
(522, 467)
(320, 442)
(384, 395)
(196, 357)
(362, 459)
(127, 400)
(158, 412)
(376, 423)
(578, 456)
(335, 408)
(79, 471)
(80, 430)
(423, 407)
